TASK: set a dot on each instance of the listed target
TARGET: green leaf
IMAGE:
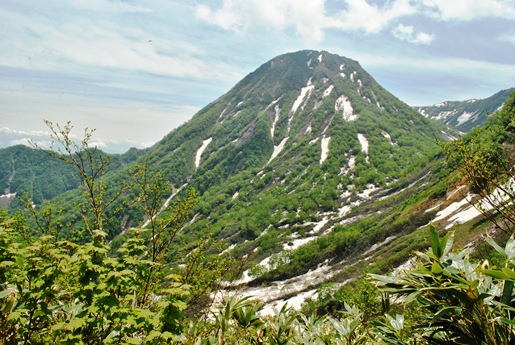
(507, 292)
(496, 274)
(436, 269)
(507, 321)
(435, 241)
(492, 242)
(447, 242)
(509, 273)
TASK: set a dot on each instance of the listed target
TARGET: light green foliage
(239, 321)
(56, 291)
(460, 301)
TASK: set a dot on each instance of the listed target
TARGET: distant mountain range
(309, 172)
(465, 115)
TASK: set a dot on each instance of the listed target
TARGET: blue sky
(135, 70)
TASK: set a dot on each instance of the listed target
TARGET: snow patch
(364, 145)
(165, 205)
(319, 225)
(344, 106)
(387, 136)
(342, 211)
(231, 247)
(325, 148)
(298, 242)
(276, 118)
(8, 196)
(223, 111)
(278, 149)
(452, 208)
(320, 58)
(378, 245)
(201, 150)
(300, 99)
(464, 118)
(351, 164)
(463, 216)
(365, 194)
(327, 91)
(295, 302)
(313, 141)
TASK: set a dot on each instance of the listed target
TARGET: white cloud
(310, 19)
(307, 18)
(360, 15)
(470, 9)
(14, 132)
(407, 33)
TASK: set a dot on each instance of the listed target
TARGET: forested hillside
(25, 169)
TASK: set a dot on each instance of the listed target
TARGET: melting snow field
(271, 295)
(303, 92)
(364, 143)
(325, 149)
(464, 118)
(200, 151)
(344, 106)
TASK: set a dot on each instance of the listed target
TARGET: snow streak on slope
(278, 149)
(303, 92)
(327, 92)
(344, 106)
(387, 136)
(464, 118)
(364, 145)
(276, 118)
(200, 150)
(325, 148)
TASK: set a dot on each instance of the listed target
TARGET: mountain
(309, 173)
(26, 169)
(465, 115)
(306, 162)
